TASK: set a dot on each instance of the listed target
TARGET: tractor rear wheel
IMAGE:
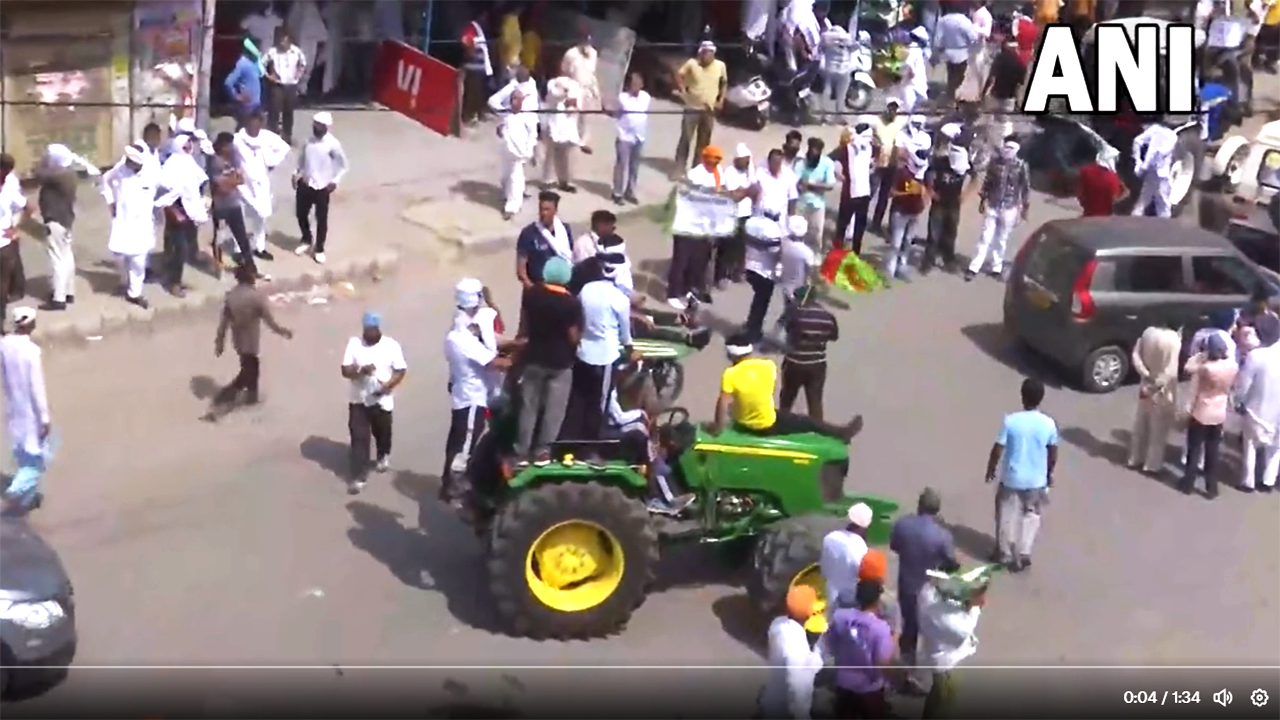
(570, 561)
(787, 555)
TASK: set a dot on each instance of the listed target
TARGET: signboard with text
(417, 86)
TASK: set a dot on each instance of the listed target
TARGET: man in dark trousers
(809, 328)
(243, 312)
(946, 180)
(922, 544)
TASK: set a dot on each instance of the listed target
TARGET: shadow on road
(1116, 451)
(482, 193)
(741, 621)
(328, 454)
(974, 543)
(203, 387)
(992, 339)
(686, 566)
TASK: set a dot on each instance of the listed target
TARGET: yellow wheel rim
(574, 566)
(812, 576)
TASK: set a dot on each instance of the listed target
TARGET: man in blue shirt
(922, 544)
(606, 339)
(816, 174)
(1028, 444)
(244, 82)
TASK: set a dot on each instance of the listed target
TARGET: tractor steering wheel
(671, 417)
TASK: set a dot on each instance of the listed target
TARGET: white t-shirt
(288, 63)
(12, 201)
(797, 260)
(469, 380)
(776, 192)
(762, 247)
(735, 179)
(861, 157)
(386, 357)
(700, 176)
(633, 120)
(841, 558)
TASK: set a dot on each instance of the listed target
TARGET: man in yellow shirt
(746, 395)
(701, 83)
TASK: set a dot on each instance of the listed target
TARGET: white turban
(134, 155)
(742, 151)
(762, 228)
(185, 126)
(467, 293)
(797, 226)
(950, 131)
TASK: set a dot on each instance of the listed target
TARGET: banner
(704, 214)
(417, 86)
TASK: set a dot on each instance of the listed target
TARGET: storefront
(92, 74)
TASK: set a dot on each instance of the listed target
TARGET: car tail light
(1082, 307)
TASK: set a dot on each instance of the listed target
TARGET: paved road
(236, 544)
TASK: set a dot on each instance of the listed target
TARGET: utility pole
(203, 83)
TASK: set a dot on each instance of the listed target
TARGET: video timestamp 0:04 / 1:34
(1161, 697)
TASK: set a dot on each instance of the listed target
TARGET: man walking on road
(922, 544)
(57, 201)
(320, 168)
(1005, 199)
(244, 311)
(26, 409)
(517, 104)
(1028, 447)
(374, 363)
(701, 83)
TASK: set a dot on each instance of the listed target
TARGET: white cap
(185, 125)
(860, 515)
(706, 45)
(23, 314)
(950, 130)
(742, 151)
(797, 226)
(738, 350)
(133, 154)
(323, 117)
(762, 228)
(467, 293)
(917, 120)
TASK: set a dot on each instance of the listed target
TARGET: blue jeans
(901, 231)
(25, 484)
(626, 167)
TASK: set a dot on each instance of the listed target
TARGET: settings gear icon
(1259, 697)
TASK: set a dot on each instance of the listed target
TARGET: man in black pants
(809, 328)
(183, 181)
(243, 312)
(374, 363)
(321, 166)
(763, 250)
(946, 180)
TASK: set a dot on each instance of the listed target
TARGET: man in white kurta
(517, 105)
(130, 191)
(579, 63)
(258, 151)
(563, 94)
(26, 410)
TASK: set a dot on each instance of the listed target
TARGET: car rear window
(1269, 169)
(1140, 274)
(1052, 262)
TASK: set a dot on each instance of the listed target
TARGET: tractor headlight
(32, 615)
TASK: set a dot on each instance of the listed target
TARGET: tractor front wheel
(570, 561)
(787, 555)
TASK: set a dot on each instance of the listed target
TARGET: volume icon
(1223, 697)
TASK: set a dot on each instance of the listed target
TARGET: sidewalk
(408, 190)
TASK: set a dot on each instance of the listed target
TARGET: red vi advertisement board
(417, 86)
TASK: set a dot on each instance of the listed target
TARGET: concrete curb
(115, 318)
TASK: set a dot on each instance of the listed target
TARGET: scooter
(863, 86)
(750, 102)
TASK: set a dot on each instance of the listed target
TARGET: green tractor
(572, 548)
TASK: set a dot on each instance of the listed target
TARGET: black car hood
(29, 567)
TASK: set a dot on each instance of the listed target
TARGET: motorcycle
(863, 85)
(750, 100)
(661, 345)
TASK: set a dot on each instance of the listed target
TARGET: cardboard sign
(700, 213)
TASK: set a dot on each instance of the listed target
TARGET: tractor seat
(612, 449)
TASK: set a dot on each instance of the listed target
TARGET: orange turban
(874, 566)
(800, 602)
(711, 152)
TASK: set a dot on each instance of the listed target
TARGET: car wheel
(1105, 369)
(1188, 160)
